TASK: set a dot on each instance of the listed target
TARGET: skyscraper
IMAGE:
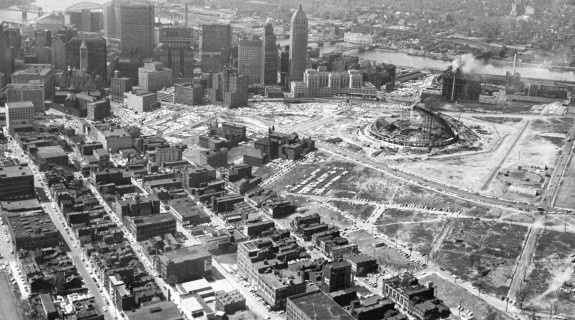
(6, 53)
(269, 68)
(250, 60)
(112, 19)
(298, 45)
(137, 30)
(215, 46)
(59, 52)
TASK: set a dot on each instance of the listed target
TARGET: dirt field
(411, 227)
(361, 211)
(387, 257)
(483, 252)
(454, 296)
(550, 278)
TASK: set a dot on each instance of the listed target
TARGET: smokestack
(514, 62)
(453, 88)
(186, 14)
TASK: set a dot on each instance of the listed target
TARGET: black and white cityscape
(287, 160)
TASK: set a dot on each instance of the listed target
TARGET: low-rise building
(189, 94)
(185, 264)
(142, 101)
(230, 302)
(313, 306)
(16, 182)
(214, 158)
(143, 228)
(32, 230)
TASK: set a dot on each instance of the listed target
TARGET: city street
(72, 243)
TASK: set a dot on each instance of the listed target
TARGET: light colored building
(358, 38)
(142, 101)
(19, 112)
(153, 77)
(40, 73)
(112, 139)
(321, 84)
(33, 91)
(250, 60)
(298, 45)
(170, 154)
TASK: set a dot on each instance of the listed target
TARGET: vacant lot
(361, 211)
(454, 296)
(484, 252)
(411, 227)
(412, 194)
(387, 257)
(550, 272)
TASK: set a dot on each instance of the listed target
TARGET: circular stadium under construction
(422, 128)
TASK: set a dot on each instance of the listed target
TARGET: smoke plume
(468, 64)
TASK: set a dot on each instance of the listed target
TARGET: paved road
(73, 244)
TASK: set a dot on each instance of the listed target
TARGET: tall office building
(96, 53)
(228, 88)
(175, 49)
(137, 30)
(215, 46)
(6, 53)
(112, 18)
(298, 45)
(250, 60)
(269, 69)
(59, 52)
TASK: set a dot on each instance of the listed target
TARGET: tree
(172, 280)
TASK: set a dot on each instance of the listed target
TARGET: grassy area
(483, 252)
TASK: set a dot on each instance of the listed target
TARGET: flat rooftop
(319, 306)
(15, 171)
(164, 310)
(187, 253)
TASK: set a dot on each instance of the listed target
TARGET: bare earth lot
(483, 252)
(551, 273)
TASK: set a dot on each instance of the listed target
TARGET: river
(402, 59)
